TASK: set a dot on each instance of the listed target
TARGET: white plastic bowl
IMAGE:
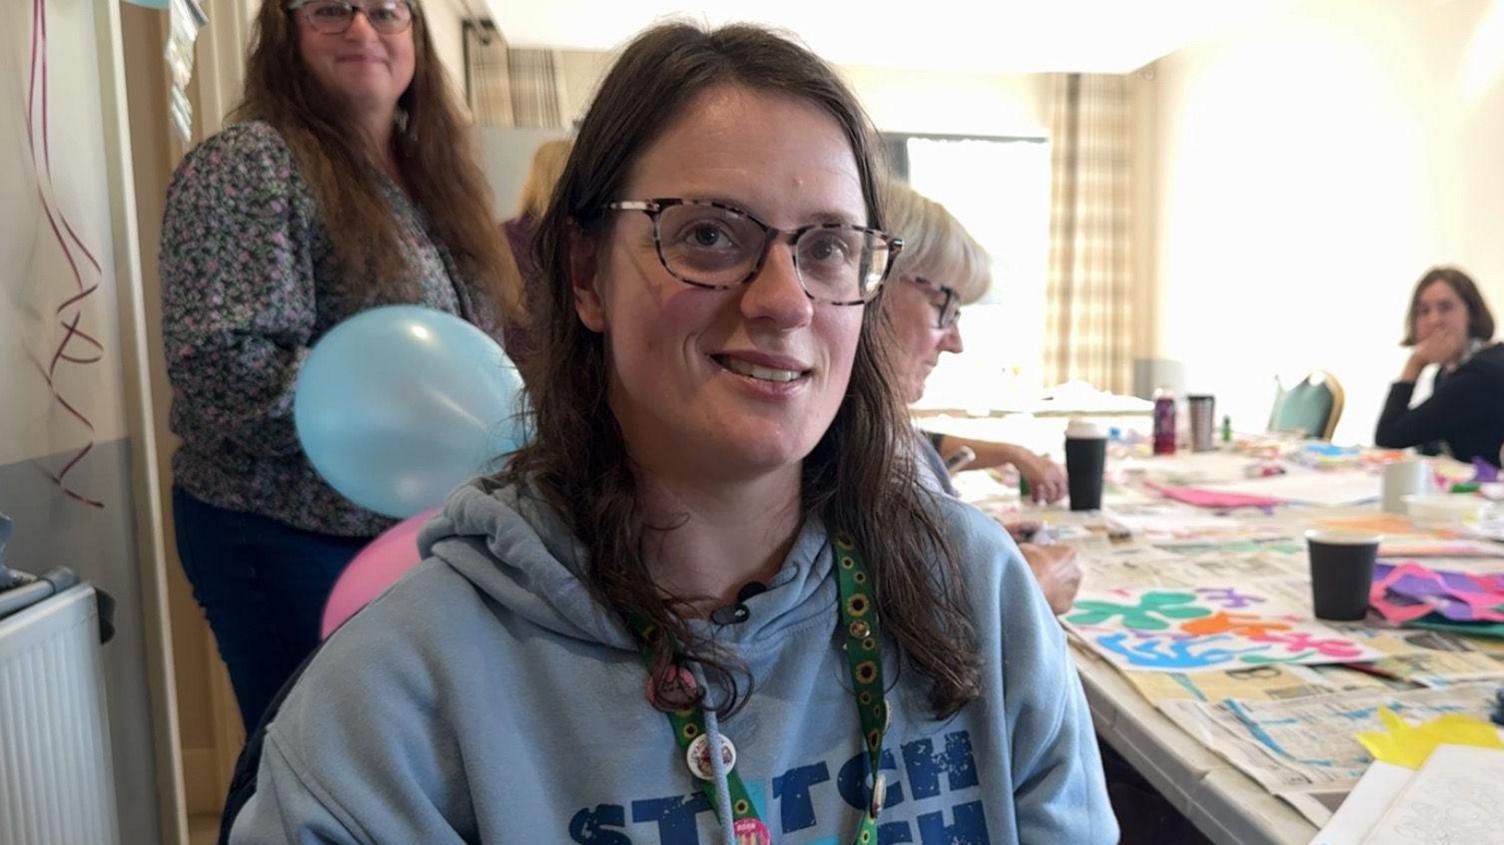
(1444, 509)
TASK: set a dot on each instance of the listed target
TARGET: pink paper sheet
(1203, 498)
(1407, 590)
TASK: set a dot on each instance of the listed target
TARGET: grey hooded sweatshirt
(487, 697)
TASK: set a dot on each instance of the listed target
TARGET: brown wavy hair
(859, 477)
(432, 146)
(1480, 321)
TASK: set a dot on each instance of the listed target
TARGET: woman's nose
(776, 293)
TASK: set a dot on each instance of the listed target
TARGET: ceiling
(1006, 36)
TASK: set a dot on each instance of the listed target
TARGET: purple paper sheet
(1406, 590)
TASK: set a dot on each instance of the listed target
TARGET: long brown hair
(432, 147)
(1480, 322)
(859, 477)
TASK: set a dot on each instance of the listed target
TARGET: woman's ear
(584, 279)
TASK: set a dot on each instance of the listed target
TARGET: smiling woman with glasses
(337, 97)
(716, 245)
(708, 602)
(334, 17)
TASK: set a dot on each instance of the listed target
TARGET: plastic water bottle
(1164, 422)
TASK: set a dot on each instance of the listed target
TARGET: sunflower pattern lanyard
(863, 648)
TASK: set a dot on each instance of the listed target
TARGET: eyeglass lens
(718, 246)
(333, 17)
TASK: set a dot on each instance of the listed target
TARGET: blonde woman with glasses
(941, 267)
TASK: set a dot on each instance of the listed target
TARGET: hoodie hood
(487, 697)
(511, 545)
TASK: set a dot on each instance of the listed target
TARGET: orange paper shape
(1223, 622)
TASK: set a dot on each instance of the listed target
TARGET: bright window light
(1000, 191)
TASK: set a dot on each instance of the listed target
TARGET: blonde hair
(935, 244)
(548, 164)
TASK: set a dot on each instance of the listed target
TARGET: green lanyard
(863, 647)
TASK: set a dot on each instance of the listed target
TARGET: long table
(1222, 801)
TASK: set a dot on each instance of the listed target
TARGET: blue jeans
(262, 583)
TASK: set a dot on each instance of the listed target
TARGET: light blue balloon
(398, 405)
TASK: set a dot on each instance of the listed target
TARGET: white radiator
(57, 781)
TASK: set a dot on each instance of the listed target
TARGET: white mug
(1410, 476)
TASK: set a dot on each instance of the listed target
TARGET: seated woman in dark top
(1450, 326)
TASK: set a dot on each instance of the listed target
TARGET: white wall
(445, 19)
(507, 153)
(952, 102)
(39, 287)
(582, 71)
(69, 271)
(1305, 174)
(898, 99)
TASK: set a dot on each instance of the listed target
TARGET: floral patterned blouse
(248, 286)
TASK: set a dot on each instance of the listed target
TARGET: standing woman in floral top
(346, 181)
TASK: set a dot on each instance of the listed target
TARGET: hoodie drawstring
(717, 764)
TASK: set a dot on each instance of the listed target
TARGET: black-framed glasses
(333, 17)
(713, 244)
(946, 301)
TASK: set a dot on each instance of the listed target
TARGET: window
(999, 188)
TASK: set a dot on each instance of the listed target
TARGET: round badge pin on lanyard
(698, 756)
(750, 831)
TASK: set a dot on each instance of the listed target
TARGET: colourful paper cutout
(1243, 624)
(1340, 648)
(1408, 745)
(1141, 616)
(1174, 655)
(1408, 590)
(1267, 659)
(1203, 498)
(1228, 596)
(1428, 547)
(1374, 524)
(1157, 629)
(1471, 629)
(1234, 545)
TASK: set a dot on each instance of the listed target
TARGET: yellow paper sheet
(1404, 744)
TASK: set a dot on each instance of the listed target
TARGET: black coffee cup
(1341, 572)
(1085, 459)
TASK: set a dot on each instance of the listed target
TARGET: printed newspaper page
(1303, 749)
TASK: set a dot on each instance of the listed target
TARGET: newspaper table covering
(1275, 682)
(1303, 750)
(1287, 726)
(1269, 570)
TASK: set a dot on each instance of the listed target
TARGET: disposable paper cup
(1341, 572)
(1085, 459)
(1404, 478)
